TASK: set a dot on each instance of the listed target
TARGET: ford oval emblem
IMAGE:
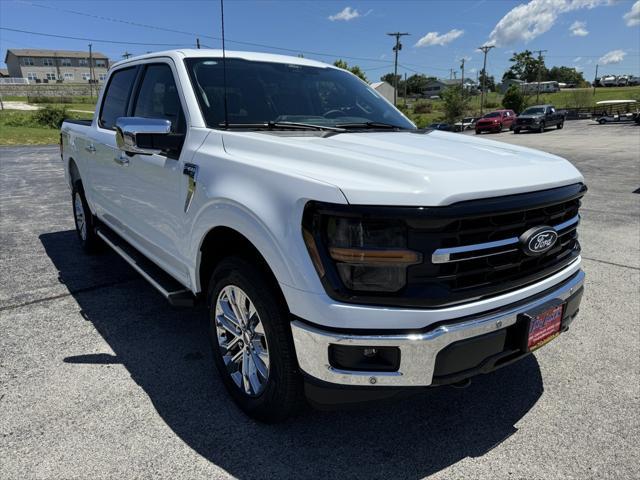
(538, 240)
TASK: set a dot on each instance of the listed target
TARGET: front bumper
(419, 350)
(487, 127)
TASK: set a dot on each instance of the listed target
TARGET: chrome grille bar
(443, 255)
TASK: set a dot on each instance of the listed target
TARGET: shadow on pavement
(167, 353)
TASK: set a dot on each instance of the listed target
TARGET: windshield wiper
(371, 125)
(276, 125)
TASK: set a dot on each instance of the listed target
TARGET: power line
(85, 39)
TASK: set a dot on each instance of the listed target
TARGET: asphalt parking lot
(99, 378)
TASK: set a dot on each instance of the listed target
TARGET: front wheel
(516, 130)
(252, 344)
(478, 132)
(541, 128)
(84, 220)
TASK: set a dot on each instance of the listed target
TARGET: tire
(500, 128)
(560, 126)
(277, 393)
(516, 130)
(541, 128)
(478, 132)
(602, 121)
(84, 220)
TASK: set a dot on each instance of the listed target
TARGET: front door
(155, 185)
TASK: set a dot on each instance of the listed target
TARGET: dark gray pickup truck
(538, 118)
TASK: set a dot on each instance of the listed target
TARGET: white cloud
(345, 15)
(632, 17)
(579, 29)
(526, 22)
(434, 38)
(614, 56)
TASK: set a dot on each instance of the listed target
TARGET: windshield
(533, 111)
(267, 92)
(492, 115)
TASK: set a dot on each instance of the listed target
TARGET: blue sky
(577, 33)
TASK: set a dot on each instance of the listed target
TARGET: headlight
(355, 251)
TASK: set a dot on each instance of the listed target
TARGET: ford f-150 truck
(538, 118)
(344, 254)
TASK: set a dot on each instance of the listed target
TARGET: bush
(514, 99)
(50, 117)
(422, 107)
(455, 103)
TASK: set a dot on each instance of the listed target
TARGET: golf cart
(610, 111)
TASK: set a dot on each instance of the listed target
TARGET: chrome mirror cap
(128, 129)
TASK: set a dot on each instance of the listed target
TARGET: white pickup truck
(344, 254)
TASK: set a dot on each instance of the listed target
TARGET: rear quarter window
(116, 97)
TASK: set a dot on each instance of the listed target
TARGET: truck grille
(524, 121)
(472, 250)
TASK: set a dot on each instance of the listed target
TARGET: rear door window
(116, 97)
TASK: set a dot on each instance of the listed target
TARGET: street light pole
(396, 48)
(484, 49)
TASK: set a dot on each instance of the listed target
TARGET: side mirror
(146, 136)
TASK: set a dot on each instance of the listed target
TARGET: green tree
(417, 83)
(566, 75)
(525, 67)
(356, 70)
(455, 103)
(514, 99)
(489, 81)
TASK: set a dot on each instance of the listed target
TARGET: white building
(384, 89)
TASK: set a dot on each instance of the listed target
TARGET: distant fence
(48, 90)
(598, 110)
(14, 81)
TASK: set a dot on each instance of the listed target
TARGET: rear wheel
(84, 220)
(560, 125)
(516, 130)
(602, 121)
(252, 344)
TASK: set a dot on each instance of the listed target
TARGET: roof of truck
(217, 53)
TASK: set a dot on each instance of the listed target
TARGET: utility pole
(595, 81)
(484, 49)
(91, 70)
(396, 49)
(198, 43)
(126, 55)
(540, 52)
(462, 77)
(451, 74)
(405, 89)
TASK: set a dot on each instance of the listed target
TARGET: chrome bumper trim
(418, 351)
(443, 255)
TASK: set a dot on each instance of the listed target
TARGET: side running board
(175, 293)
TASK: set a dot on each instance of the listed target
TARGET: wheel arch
(221, 242)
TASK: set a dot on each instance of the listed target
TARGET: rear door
(106, 174)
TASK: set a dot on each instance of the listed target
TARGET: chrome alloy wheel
(242, 341)
(78, 210)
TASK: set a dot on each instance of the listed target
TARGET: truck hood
(404, 168)
(525, 117)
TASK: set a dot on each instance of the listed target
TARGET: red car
(495, 121)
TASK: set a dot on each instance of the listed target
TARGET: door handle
(90, 148)
(122, 159)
